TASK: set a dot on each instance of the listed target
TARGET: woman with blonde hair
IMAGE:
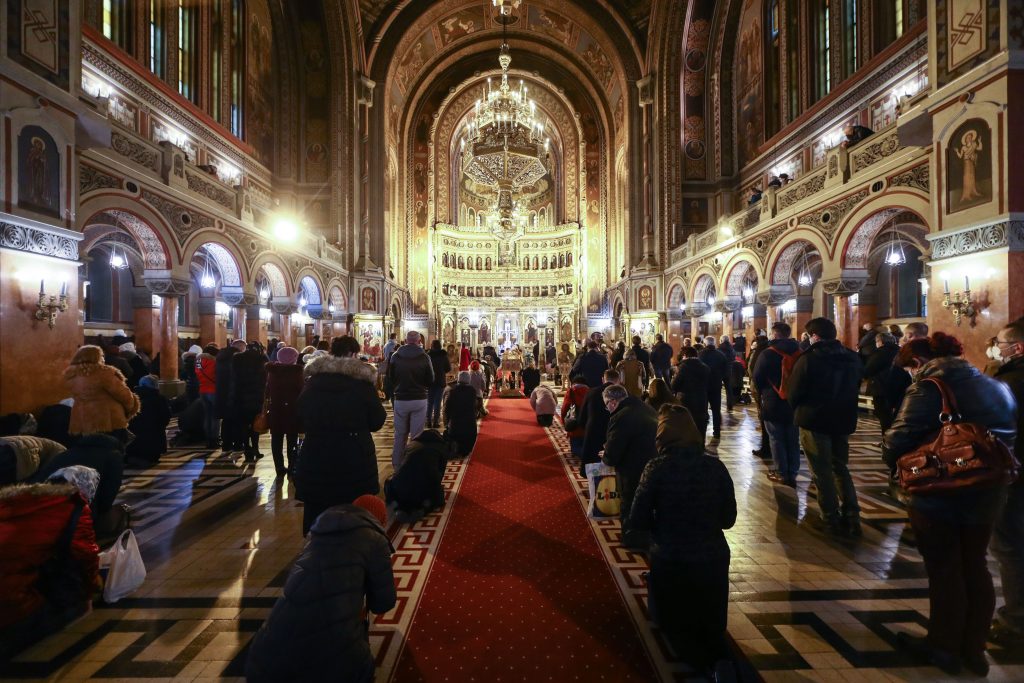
(103, 403)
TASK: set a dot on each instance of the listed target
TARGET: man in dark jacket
(758, 346)
(416, 488)
(719, 366)
(886, 383)
(459, 411)
(661, 358)
(531, 378)
(642, 355)
(550, 356)
(691, 382)
(248, 382)
(591, 365)
(150, 424)
(1008, 535)
(628, 448)
(411, 375)
(230, 438)
(823, 390)
(319, 619)
(778, 415)
(441, 366)
(593, 419)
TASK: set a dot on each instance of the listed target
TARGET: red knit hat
(375, 506)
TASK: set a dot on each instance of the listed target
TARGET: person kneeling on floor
(318, 629)
(458, 413)
(685, 499)
(544, 404)
(415, 488)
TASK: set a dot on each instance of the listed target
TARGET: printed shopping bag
(604, 491)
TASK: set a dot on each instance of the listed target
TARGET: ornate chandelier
(504, 145)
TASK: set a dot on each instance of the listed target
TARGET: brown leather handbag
(962, 456)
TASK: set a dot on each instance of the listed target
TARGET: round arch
(149, 230)
(738, 270)
(784, 254)
(308, 285)
(859, 230)
(675, 299)
(224, 252)
(704, 286)
(276, 272)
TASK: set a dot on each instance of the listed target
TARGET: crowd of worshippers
(653, 414)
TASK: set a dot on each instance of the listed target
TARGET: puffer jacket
(543, 401)
(318, 620)
(768, 375)
(576, 396)
(410, 372)
(30, 453)
(206, 371)
(824, 388)
(32, 518)
(980, 400)
(103, 402)
(685, 499)
(339, 409)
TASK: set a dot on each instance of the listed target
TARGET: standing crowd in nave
(654, 414)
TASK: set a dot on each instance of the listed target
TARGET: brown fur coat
(103, 402)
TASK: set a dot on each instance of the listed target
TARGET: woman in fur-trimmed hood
(103, 402)
(339, 409)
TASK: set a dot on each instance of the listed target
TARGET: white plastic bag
(604, 491)
(127, 571)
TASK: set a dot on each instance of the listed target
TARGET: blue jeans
(784, 438)
(434, 395)
(211, 425)
(576, 445)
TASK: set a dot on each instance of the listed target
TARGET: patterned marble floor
(219, 536)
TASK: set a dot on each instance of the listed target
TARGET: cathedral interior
(497, 172)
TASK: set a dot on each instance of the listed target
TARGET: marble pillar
(169, 339)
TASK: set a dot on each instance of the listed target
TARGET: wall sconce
(959, 303)
(49, 307)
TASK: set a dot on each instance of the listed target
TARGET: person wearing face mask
(995, 357)
(952, 529)
(1008, 535)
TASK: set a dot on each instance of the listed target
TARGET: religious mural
(749, 64)
(38, 171)
(259, 87)
(368, 300)
(969, 166)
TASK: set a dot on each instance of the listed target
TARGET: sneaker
(853, 526)
(774, 476)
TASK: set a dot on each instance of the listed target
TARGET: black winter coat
(692, 381)
(531, 378)
(187, 374)
(685, 499)
(980, 399)
(591, 365)
(642, 355)
(593, 418)
(824, 388)
(441, 366)
(138, 366)
(248, 382)
(315, 631)
(284, 384)
(885, 381)
(411, 372)
(661, 355)
(458, 414)
(149, 426)
(726, 349)
(1011, 373)
(223, 383)
(719, 366)
(768, 375)
(630, 444)
(417, 483)
(339, 409)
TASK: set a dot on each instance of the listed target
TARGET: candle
(945, 286)
(42, 289)
(967, 284)
(64, 288)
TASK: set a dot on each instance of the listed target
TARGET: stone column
(803, 315)
(146, 320)
(253, 324)
(759, 321)
(842, 288)
(208, 326)
(169, 288)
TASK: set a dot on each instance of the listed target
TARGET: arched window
(536, 263)
(444, 259)
(479, 263)
(469, 263)
(462, 263)
(526, 263)
(488, 263)
(544, 262)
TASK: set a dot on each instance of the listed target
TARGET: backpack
(788, 361)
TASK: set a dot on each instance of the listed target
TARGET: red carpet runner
(519, 590)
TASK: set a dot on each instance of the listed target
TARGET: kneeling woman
(339, 408)
(686, 499)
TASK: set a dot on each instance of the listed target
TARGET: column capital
(238, 296)
(168, 286)
(843, 285)
(774, 295)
